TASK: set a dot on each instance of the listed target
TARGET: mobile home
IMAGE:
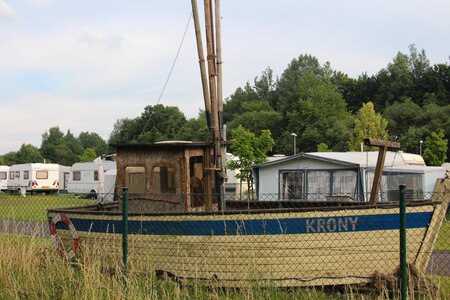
(89, 178)
(320, 176)
(35, 177)
(3, 177)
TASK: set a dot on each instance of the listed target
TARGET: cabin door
(196, 181)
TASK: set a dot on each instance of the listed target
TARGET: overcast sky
(81, 65)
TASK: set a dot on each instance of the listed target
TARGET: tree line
(407, 101)
(57, 147)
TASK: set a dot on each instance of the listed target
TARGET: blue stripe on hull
(255, 227)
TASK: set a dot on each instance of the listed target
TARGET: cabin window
(76, 175)
(135, 180)
(292, 184)
(17, 174)
(164, 179)
(11, 175)
(318, 185)
(344, 183)
(41, 174)
(2, 175)
(26, 174)
(95, 175)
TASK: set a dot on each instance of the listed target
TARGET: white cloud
(38, 2)
(111, 40)
(33, 114)
(6, 12)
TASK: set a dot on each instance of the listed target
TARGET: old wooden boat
(178, 232)
(180, 224)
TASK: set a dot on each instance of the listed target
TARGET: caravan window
(390, 182)
(2, 175)
(413, 183)
(135, 180)
(292, 184)
(11, 175)
(76, 175)
(17, 174)
(164, 178)
(318, 185)
(95, 175)
(344, 183)
(41, 174)
(26, 174)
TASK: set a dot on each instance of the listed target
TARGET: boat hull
(285, 248)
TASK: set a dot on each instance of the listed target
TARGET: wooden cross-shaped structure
(383, 147)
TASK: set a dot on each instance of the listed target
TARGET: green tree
(74, 149)
(195, 129)
(263, 90)
(88, 155)
(59, 148)
(29, 154)
(94, 141)
(322, 147)
(9, 158)
(50, 141)
(435, 148)
(249, 150)
(409, 123)
(319, 116)
(156, 123)
(256, 116)
(368, 124)
(287, 86)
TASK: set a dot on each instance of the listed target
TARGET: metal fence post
(403, 271)
(125, 234)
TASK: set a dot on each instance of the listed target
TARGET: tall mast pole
(211, 56)
(208, 174)
(213, 166)
(201, 60)
(220, 146)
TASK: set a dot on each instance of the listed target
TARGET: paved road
(39, 229)
(439, 263)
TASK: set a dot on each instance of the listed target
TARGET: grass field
(30, 269)
(443, 241)
(34, 207)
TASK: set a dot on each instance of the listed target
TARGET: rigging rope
(169, 75)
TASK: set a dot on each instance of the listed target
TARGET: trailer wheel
(71, 253)
(92, 195)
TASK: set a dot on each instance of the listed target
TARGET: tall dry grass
(31, 269)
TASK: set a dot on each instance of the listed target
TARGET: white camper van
(89, 178)
(33, 178)
(3, 177)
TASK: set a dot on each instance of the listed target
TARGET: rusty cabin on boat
(170, 176)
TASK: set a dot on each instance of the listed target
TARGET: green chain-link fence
(256, 239)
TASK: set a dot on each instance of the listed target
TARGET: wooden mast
(383, 147)
(220, 146)
(201, 60)
(212, 94)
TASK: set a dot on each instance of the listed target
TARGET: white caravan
(96, 179)
(4, 177)
(33, 178)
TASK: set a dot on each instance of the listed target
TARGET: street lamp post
(420, 147)
(295, 137)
